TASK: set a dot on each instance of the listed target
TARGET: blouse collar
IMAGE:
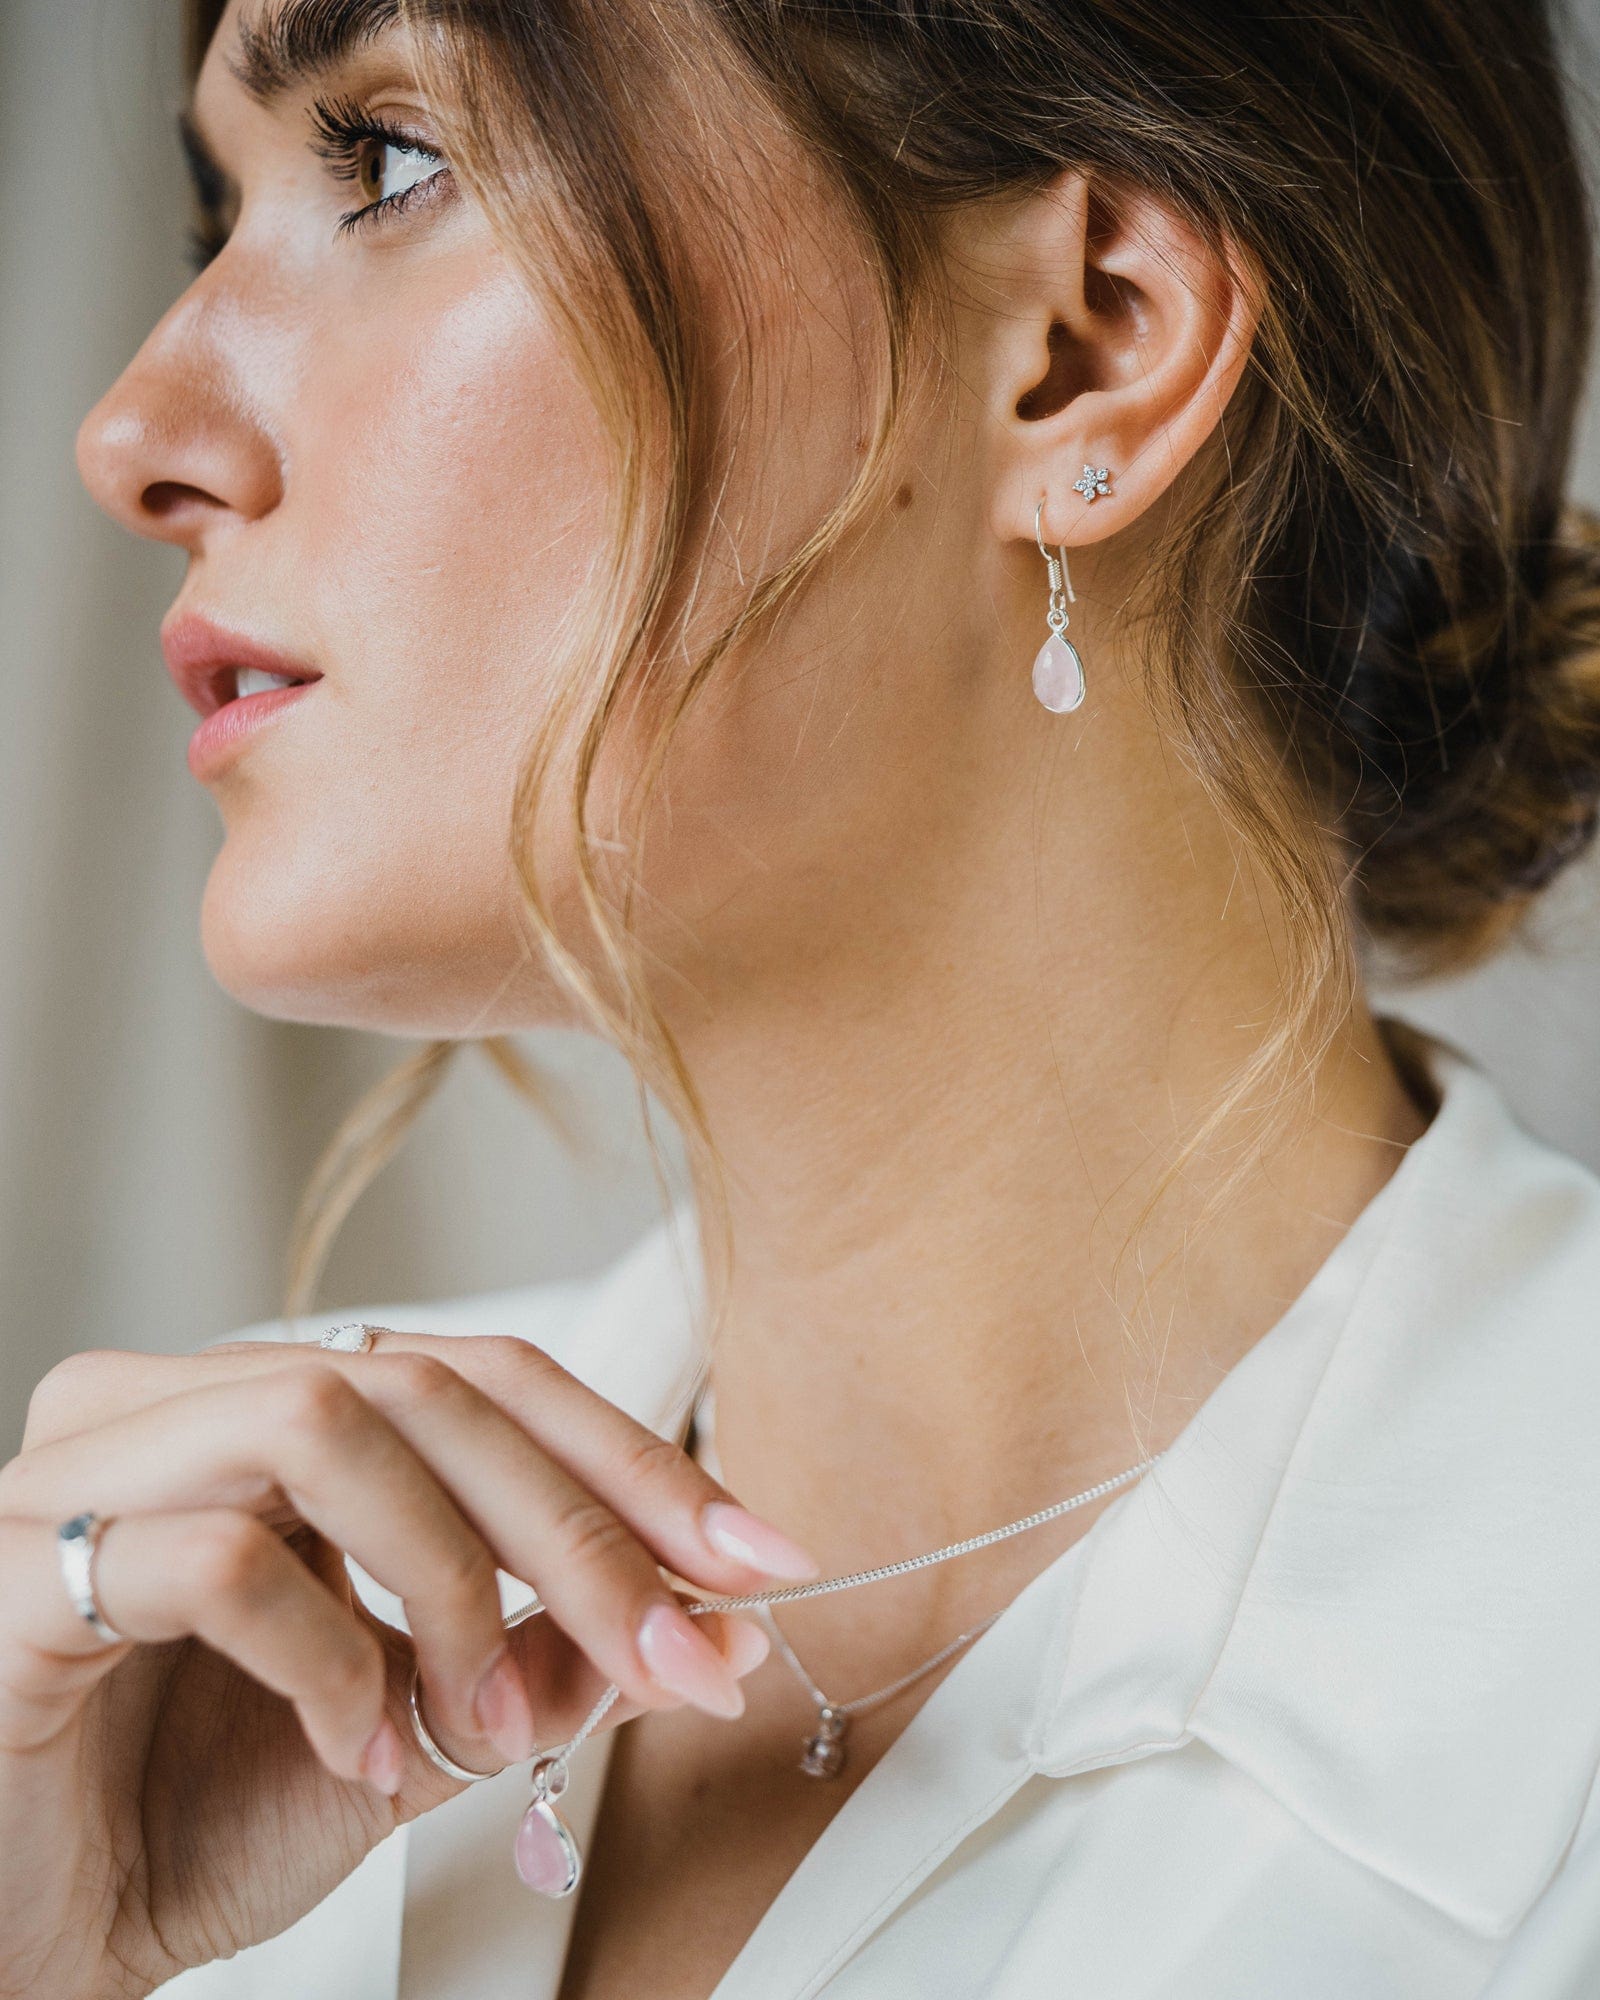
(1340, 1577)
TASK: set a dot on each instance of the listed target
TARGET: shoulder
(1422, 1616)
(1486, 1314)
(1482, 1310)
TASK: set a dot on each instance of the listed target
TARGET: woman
(985, 558)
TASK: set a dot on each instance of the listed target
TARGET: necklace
(822, 1755)
(824, 1750)
(545, 1849)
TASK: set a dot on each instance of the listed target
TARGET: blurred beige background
(154, 1136)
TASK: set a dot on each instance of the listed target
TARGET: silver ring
(430, 1748)
(352, 1337)
(76, 1541)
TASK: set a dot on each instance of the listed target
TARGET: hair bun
(1483, 759)
(1560, 669)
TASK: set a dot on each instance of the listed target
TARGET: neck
(926, 1331)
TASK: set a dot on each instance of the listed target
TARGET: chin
(342, 950)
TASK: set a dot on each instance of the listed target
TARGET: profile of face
(364, 431)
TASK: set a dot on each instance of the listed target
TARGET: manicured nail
(383, 1760)
(734, 1531)
(747, 1646)
(503, 1711)
(686, 1663)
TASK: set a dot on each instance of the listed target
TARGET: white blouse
(1312, 1712)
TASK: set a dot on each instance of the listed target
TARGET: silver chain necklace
(822, 1754)
(552, 1768)
(823, 1751)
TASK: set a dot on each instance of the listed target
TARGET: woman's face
(363, 432)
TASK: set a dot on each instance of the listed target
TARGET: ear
(1117, 335)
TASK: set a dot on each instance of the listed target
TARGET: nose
(175, 449)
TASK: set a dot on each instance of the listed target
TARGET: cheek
(462, 490)
(821, 763)
(439, 513)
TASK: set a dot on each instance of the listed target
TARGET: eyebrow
(290, 42)
(293, 41)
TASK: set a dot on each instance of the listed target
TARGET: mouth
(231, 682)
(213, 667)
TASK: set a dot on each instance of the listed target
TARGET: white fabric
(1313, 1710)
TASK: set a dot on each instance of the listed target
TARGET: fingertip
(734, 1531)
(383, 1760)
(745, 1645)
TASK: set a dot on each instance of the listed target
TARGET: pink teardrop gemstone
(1058, 674)
(545, 1853)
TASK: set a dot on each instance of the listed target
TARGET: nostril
(165, 498)
(167, 452)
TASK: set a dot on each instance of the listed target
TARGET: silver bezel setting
(351, 1336)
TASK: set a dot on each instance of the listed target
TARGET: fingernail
(383, 1760)
(686, 1663)
(503, 1711)
(748, 1646)
(734, 1531)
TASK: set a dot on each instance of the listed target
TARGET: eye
(389, 167)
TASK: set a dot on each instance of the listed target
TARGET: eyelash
(343, 128)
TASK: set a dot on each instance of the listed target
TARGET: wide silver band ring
(76, 1541)
(430, 1749)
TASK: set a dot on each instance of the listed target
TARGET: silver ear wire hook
(1060, 575)
(1057, 670)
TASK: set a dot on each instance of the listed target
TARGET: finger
(601, 1593)
(692, 1523)
(597, 1580)
(211, 1574)
(567, 1684)
(304, 1440)
(89, 1387)
(429, 1486)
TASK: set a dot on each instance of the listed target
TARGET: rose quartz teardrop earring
(1057, 667)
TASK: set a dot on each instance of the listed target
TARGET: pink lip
(203, 659)
(218, 740)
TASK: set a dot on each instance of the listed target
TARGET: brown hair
(1381, 623)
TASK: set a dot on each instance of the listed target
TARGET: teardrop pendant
(545, 1852)
(1058, 675)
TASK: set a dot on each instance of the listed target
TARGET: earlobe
(1126, 333)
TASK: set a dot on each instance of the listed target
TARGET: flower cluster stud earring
(1058, 666)
(1096, 481)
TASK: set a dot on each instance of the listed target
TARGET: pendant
(823, 1754)
(545, 1852)
(1058, 674)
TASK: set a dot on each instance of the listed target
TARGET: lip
(203, 658)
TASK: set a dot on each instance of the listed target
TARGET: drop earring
(1057, 667)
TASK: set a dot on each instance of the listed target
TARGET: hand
(168, 1802)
